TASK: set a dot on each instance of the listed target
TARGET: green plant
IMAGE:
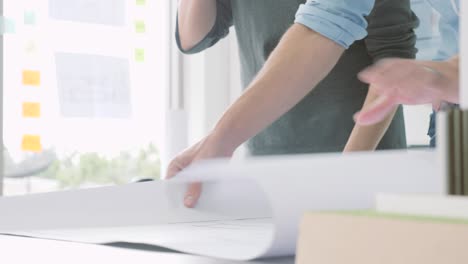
(78, 169)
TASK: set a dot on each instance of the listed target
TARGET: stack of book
(403, 229)
(452, 141)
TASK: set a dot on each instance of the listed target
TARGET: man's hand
(208, 148)
(409, 82)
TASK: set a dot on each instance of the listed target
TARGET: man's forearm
(367, 138)
(301, 60)
(196, 18)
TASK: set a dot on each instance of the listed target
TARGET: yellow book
(371, 238)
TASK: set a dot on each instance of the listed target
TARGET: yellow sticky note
(139, 55)
(140, 2)
(32, 110)
(32, 78)
(31, 143)
(30, 47)
(140, 26)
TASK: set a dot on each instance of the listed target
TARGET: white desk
(27, 250)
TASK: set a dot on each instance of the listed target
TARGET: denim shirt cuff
(336, 27)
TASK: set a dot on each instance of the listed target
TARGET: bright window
(84, 89)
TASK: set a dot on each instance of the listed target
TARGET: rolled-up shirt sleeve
(391, 30)
(224, 21)
(342, 21)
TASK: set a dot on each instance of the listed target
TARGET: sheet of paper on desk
(248, 210)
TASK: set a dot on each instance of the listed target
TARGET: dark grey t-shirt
(322, 121)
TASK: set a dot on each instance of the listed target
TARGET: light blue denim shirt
(450, 41)
(342, 21)
(449, 27)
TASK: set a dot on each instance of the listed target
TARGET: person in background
(400, 81)
(299, 64)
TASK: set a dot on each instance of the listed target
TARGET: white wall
(208, 86)
(211, 83)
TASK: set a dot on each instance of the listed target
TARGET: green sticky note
(29, 18)
(139, 55)
(140, 26)
(7, 26)
(140, 2)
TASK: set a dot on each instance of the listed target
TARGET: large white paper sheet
(93, 86)
(248, 210)
(20, 250)
(245, 238)
(107, 12)
(139, 204)
(230, 212)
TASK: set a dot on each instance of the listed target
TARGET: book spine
(457, 151)
(444, 150)
(465, 151)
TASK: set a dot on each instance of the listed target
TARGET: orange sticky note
(32, 110)
(32, 78)
(31, 143)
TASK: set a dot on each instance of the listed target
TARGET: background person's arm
(367, 138)
(390, 35)
(449, 82)
(409, 82)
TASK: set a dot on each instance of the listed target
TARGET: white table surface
(21, 250)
